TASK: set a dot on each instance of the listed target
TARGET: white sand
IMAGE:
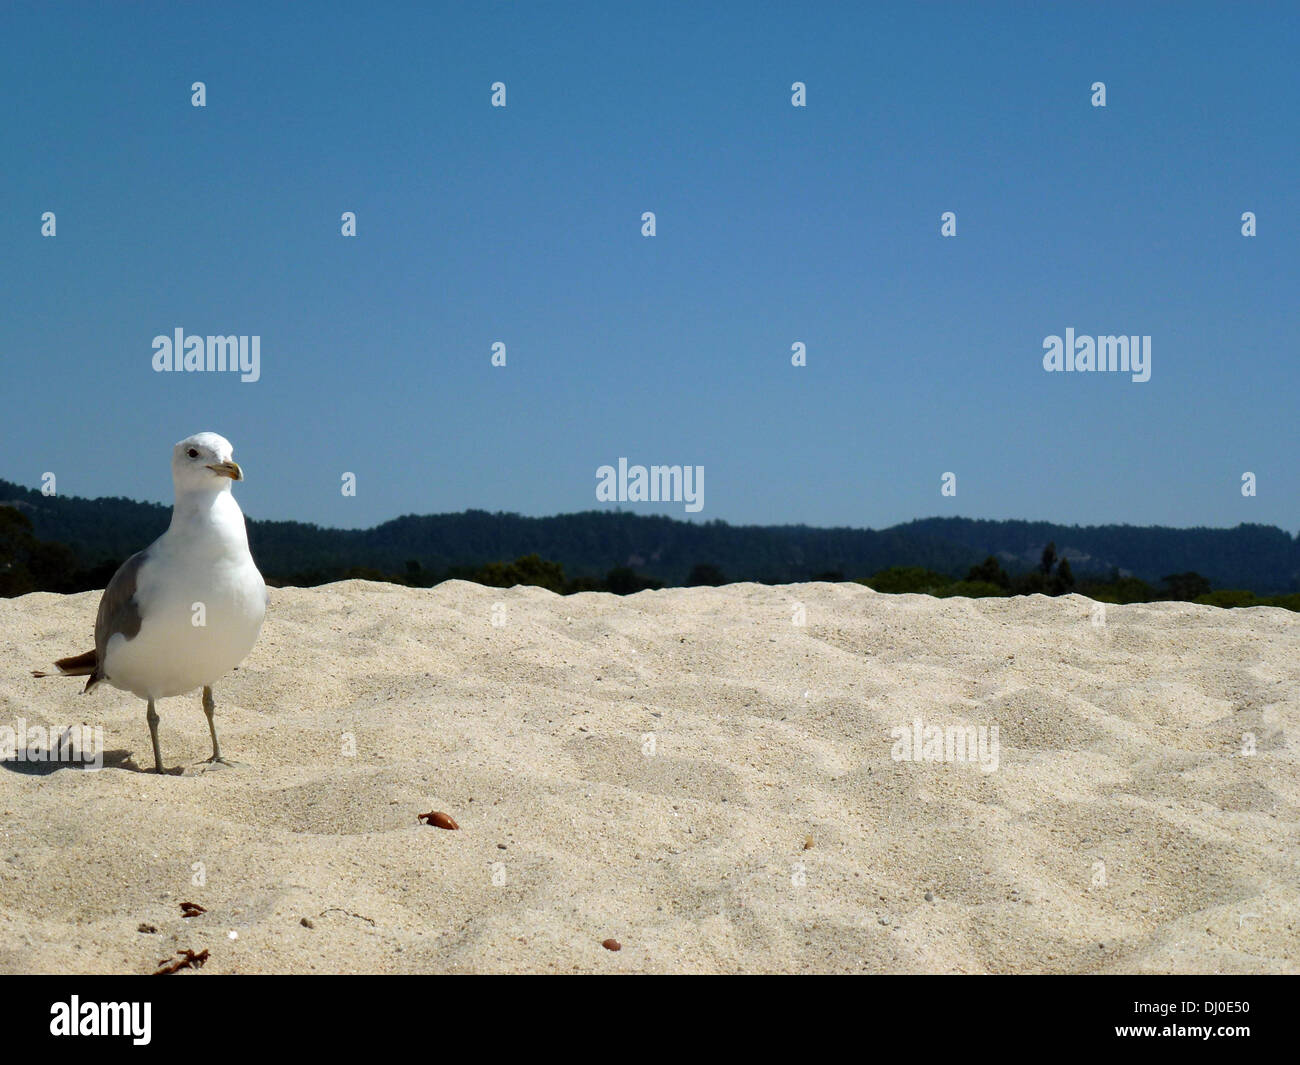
(1123, 830)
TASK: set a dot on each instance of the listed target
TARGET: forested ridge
(58, 543)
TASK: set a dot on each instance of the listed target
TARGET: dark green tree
(990, 571)
(705, 573)
(1185, 586)
(1048, 560)
(623, 580)
(529, 569)
(31, 565)
(1063, 579)
(903, 579)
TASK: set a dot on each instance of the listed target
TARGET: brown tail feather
(82, 665)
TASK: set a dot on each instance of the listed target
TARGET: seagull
(186, 610)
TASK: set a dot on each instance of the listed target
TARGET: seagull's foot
(218, 762)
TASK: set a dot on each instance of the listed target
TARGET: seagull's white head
(203, 463)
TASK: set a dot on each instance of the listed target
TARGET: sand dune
(686, 771)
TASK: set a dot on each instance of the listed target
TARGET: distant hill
(1261, 558)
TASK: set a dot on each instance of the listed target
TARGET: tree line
(96, 547)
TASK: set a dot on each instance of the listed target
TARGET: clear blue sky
(775, 224)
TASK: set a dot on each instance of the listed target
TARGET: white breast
(202, 602)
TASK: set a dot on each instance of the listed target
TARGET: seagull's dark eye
(192, 453)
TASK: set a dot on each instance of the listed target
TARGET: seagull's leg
(210, 708)
(152, 718)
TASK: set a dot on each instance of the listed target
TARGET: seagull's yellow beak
(228, 469)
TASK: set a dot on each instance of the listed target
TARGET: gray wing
(118, 611)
